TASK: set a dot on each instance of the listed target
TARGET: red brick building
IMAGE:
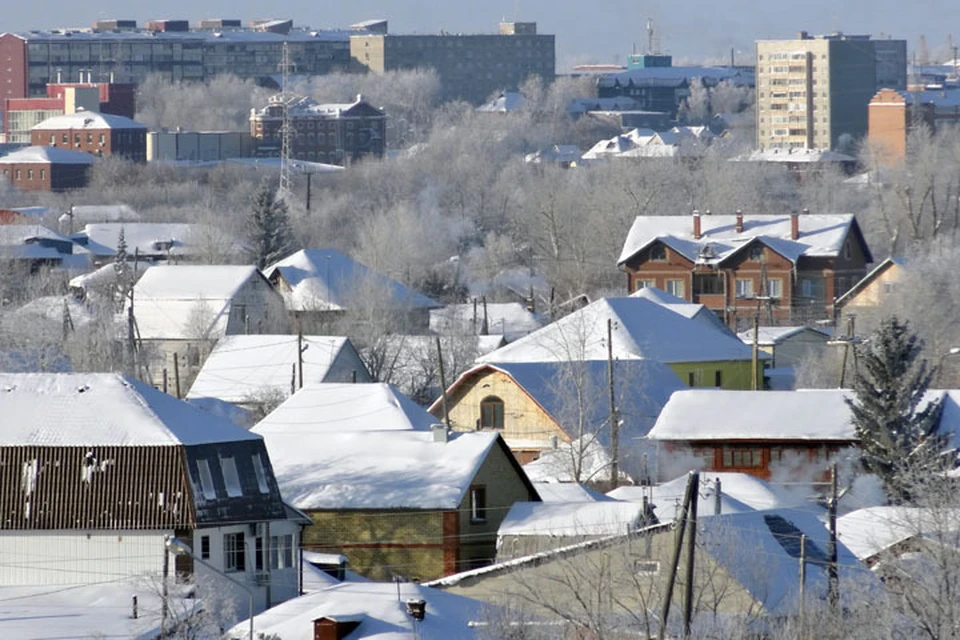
(20, 115)
(46, 169)
(790, 267)
(96, 133)
(330, 133)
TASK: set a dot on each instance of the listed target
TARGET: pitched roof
(568, 492)
(85, 409)
(690, 310)
(87, 120)
(885, 265)
(821, 235)
(643, 329)
(241, 366)
(511, 319)
(325, 280)
(871, 531)
(156, 238)
(402, 469)
(346, 408)
(770, 336)
(47, 155)
(571, 518)
(718, 414)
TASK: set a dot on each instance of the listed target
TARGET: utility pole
(717, 498)
(285, 126)
(755, 357)
(693, 485)
(164, 606)
(803, 578)
(300, 355)
(848, 341)
(614, 420)
(443, 386)
(309, 175)
(833, 577)
(691, 552)
(176, 373)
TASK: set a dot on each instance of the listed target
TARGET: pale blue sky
(591, 31)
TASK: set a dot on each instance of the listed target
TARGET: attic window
(658, 253)
(261, 473)
(491, 413)
(207, 489)
(230, 477)
(756, 252)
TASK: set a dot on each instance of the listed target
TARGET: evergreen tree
(123, 282)
(898, 430)
(269, 227)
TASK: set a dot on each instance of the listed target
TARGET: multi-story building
(812, 92)
(470, 66)
(330, 133)
(20, 115)
(45, 169)
(96, 133)
(117, 51)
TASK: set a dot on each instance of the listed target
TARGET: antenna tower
(285, 127)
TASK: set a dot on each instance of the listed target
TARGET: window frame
(478, 503)
(676, 287)
(234, 554)
(491, 413)
(658, 253)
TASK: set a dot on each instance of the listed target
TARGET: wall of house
(503, 486)
(256, 308)
(635, 570)
(380, 545)
(797, 461)
(57, 557)
(528, 429)
(793, 350)
(734, 374)
(873, 294)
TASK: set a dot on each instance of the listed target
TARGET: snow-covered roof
(795, 155)
(511, 319)
(691, 310)
(400, 469)
(675, 76)
(33, 242)
(820, 235)
(504, 103)
(643, 329)
(771, 336)
(871, 531)
(50, 309)
(156, 239)
(571, 518)
(81, 409)
(719, 414)
(568, 492)
(169, 299)
(100, 277)
(242, 366)
(87, 120)
(47, 155)
(88, 213)
(382, 614)
(346, 408)
(325, 280)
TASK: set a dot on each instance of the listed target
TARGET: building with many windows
(96, 133)
(45, 169)
(812, 92)
(470, 66)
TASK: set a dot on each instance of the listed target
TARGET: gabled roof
(87, 409)
(717, 414)
(877, 271)
(643, 330)
(690, 310)
(346, 408)
(87, 120)
(871, 531)
(151, 239)
(33, 242)
(47, 155)
(642, 387)
(241, 366)
(568, 492)
(771, 336)
(171, 301)
(571, 518)
(325, 280)
(821, 235)
(401, 469)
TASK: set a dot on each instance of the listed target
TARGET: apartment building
(470, 66)
(812, 92)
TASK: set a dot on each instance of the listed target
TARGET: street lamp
(179, 547)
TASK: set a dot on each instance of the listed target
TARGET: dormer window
(658, 253)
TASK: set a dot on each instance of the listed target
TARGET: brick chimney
(333, 629)
(697, 234)
(739, 221)
(794, 225)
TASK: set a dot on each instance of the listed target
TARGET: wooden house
(788, 268)
(875, 287)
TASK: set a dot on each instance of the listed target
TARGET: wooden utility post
(803, 578)
(176, 373)
(693, 482)
(299, 356)
(614, 419)
(164, 605)
(308, 191)
(833, 577)
(755, 357)
(443, 384)
(691, 552)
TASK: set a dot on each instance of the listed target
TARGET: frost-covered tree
(897, 427)
(268, 227)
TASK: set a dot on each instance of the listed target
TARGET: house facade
(44, 169)
(98, 134)
(96, 470)
(788, 269)
(874, 289)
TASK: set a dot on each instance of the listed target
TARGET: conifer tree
(269, 227)
(897, 427)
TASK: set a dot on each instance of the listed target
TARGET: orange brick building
(98, 134)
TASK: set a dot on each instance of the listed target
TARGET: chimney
(794, 225)
(440, 432)
(327, 628)
(696, 225)
(739, 221)
(417, 609)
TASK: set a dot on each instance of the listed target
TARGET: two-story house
(789, 268)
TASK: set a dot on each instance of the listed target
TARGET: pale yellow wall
(873, 294)
(523, 419)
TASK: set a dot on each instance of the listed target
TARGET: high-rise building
(812, 92)
(470, 66)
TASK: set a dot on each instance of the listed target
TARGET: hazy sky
(587, 31)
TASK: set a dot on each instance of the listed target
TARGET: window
(742, 458)
(258, 553)
(718, 379)
(261, 474)
(745, 288)
(756, 252)
(643, 284)
(478, 504)
(847, 250)
(646, 567)
(658, 253)
(889, 287)
(207, 488)
(675, 288)
(204, 547)
(491, 413)
(234, 557)
(230, 477)
(775, 288)
(691, 379)
(281, 552)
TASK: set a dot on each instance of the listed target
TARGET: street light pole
(180, 547)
